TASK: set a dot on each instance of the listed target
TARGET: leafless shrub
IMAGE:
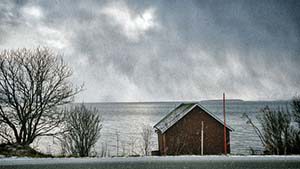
(296, 132)
(256, 129)
(117, 142)
(276, 130)
(104, 150)
(132, 145)
(147, 133)
(83, 130)
(277, 134)
(123, 146)
(296, 109)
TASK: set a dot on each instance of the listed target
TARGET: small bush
(278, 134)
(82, 131)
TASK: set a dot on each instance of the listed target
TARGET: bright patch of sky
(133, 25)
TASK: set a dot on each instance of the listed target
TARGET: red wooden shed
(191, 129)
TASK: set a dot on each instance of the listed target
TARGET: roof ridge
(214, 116)
(168, 114)
(184, 112)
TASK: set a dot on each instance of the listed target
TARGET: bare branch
(83, 130)
(33, 83)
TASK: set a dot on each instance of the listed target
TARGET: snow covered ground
(211, 162)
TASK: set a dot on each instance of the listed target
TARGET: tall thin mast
(202, 139)
(225, 135)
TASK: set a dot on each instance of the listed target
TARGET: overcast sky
(165, 50)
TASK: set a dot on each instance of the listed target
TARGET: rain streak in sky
(165, 50)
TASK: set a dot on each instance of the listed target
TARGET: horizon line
(185, 101)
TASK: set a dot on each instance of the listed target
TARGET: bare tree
(296, 132)
(276, 130)
(147, 133)
(256, 129)
(296, 109)
(33, 83)
(276, 134)
(117, 142)
(132, 145)
(83, 130)
(123, 146)
(104, 150)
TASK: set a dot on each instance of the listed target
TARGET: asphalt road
(184, 162)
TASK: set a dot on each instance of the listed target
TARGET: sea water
(123, 124)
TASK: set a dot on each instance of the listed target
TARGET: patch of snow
(193, 158)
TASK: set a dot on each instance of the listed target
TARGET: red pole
(225, 136)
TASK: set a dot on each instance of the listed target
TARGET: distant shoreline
(183, 101)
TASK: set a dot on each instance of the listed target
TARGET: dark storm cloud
(166, 50)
